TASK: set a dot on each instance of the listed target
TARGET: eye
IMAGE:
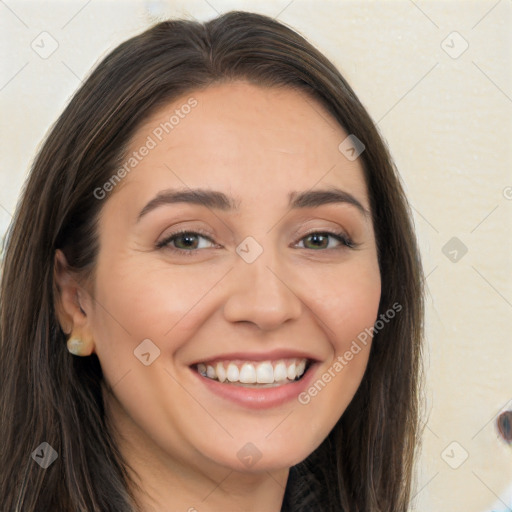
(185, 242)
(320, 240)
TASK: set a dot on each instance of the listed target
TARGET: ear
(73, 304)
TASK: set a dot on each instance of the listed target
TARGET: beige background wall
(446, 112)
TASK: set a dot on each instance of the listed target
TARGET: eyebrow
(218, 200)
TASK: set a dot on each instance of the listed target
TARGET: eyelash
(346, 241)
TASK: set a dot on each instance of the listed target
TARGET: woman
(212, 294)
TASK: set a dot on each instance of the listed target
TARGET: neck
(227, 490)
(188, 482)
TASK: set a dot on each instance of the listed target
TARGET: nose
(261, 293)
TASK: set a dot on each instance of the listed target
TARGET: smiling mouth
(255, 374)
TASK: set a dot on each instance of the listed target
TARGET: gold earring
(78, 347)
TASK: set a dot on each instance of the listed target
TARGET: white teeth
(201, 368)
(265, 373)
(300, 368)
(248, 374)
(210, 372)
(233, 373)
(291, 372)
(280, 372)
(221, 372)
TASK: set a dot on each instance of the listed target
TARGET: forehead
(257, 140)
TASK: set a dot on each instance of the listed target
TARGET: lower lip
(255, 398)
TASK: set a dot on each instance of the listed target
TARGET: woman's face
(272, 276)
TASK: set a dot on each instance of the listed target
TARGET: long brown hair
(366, 462)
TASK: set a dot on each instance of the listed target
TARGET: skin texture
(257, 145)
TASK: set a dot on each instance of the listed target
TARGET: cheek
(351, 312)
(347, 302)
(137, 301)
(140, 301)
(347, 307)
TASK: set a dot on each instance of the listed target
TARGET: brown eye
(326, 240)
(186, 242)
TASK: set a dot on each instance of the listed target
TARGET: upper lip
(272, 355)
